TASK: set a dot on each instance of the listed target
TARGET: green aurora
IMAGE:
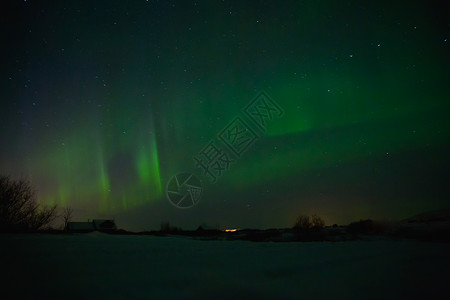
(102, 103)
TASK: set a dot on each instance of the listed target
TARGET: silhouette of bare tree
(19, 209)
(67, 214)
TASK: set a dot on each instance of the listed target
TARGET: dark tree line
(19, 208)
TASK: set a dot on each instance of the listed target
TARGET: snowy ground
(97, 265)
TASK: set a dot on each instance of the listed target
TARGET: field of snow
(98, 265)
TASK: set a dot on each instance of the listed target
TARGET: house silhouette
(94, 225)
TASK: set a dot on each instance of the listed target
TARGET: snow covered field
(104, 266)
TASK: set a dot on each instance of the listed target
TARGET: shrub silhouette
(19, 209)
(363, 226)
(166, 227)
(305, 223)
(317, 222)
(309, 228)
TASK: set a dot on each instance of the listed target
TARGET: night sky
(103, 102)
